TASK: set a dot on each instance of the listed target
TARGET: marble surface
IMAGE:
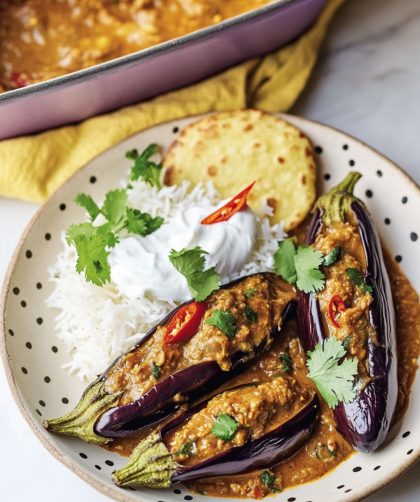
(367, 83)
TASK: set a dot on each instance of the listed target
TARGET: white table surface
(367, 83)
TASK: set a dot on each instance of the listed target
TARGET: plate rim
(114, 492)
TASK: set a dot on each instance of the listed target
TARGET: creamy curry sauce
(43, 39)
(326, 448)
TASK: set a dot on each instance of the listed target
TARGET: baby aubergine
(249, 427)
(355, 306)
(193, 350)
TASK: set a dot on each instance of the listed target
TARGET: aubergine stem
(150, 465)
(335, 204)
(80, 421)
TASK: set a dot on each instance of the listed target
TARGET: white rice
(96, 324)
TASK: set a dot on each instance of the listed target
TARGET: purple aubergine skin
(157, 402)
(259, 453)
(366, 421)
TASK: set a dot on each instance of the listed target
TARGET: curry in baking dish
(40, 39)
(264, 379)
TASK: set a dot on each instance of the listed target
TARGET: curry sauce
(40, 40)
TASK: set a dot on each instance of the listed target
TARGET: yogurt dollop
(140, 266)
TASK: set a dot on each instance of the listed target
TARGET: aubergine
(262, 424)
(342, 226)
(155, 378)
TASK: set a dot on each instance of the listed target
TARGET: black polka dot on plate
(188, 497)
(177, 491)
(348, 490)
(291, 499)
(38, 285)
(109, 462)
(379, 173)
(414, 236)
(398, 258)
(98, 467)
(47, 236)
(339, 487)
(28, 253)
(345, 147)
(377, 468)
(16, 291)
(24, 370)
(11, 332)
(92, 179)
(175, 130)
(42, 403)
(47, 379)
(357, 469)
(64, 400)
(62, 207)
(54, 349)
(83, 455)
(404, 200)
(387, 221)
(319, 149)
(39, 320)
(369, 194)
(327, 176)
(351, 162)
(23, 303)
(39, 413)
(28, 345)
(409, 452)
(406, 434)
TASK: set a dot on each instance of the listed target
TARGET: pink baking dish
(147, 73)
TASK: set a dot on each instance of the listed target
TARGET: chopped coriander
(224, 320)
(114, 207)
(356, 277)
(225, 427)
(250, 314)
(268, 478)
(144, 168)
(142, 223)
(190, 263)
(299, 265)
(334, 380)
(347, 341)
(188, 449)
(250, 292)
(287, 362)
(156, 370)
(332, 256)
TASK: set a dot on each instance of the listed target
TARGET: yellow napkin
(32, 167)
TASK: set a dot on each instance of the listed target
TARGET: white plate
(33, 357)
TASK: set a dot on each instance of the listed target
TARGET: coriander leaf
(268, 478)
(284, 261)
(356, 277)
(332, 256)
(86, 201)
(156, 370)
(202, 284)
(224, 320)
(188, 261)
(334, 380)
(114, 207)
(144, 168)
(307, 263)
(141, 223)
(189, 448)
(250, 314)
(91, 245)
(225, 427)
(287, 361)
(250, 292)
